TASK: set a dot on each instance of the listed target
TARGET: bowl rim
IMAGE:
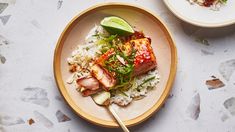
(197, 23)
(61, 86)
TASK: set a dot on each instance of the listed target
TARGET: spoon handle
(124, 128)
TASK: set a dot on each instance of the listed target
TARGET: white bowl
(203, 16)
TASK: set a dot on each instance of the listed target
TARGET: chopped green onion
(223, 1)
(145, 81)
(87, 48)
(122, 72)
(123, 93)
(120, 85)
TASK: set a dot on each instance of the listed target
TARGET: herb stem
(145, 81)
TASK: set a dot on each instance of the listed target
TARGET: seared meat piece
(103, 76)
(89, 92)
(145, 59)
(105, 57)
(143, 62)
(88, 83)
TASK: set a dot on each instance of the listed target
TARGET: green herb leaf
(223, 1)
(145, 81)
(123, 93)
(120, 85)
(87, 48)
(111, 38)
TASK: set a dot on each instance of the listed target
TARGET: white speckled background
(29, 30)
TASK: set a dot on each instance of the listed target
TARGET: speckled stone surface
(29, 30)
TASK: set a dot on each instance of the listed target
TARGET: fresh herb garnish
(123, 93)
(223, 1)
(87, 48)
(111, 38)
(122, 72)
(95, 35)
(145, 81)
(105, 40)
(120, 85)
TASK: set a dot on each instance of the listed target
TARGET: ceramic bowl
(162, 43)
(203, 16)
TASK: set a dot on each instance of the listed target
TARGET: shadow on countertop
(138, 128)
(219, 32)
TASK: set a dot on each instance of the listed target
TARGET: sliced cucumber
(101, 98)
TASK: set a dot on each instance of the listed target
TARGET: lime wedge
(116, 25)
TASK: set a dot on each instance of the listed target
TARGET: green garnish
(111, 38)
(145, 81)
(223, 1)
(124, 85)
(105, 40)
(95, 35)
(122, 71)
(123, 93)
(87, 48)
(120, 85)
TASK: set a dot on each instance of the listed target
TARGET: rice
(83, 57)
(137, 91)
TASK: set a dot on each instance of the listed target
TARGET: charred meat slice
(105, 57)
(144, 58)
(103, 76)
(89, 92)
(143, 61)
(90, 83)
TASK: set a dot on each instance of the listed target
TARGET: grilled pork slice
(145, 59)
(103, 76)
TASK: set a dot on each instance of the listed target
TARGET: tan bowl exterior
(163, 46)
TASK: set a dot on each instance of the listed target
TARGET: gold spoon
(102, 99)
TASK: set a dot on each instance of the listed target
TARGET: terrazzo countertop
(29, 98)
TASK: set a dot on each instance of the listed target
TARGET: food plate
(203, 16)
(163, 47)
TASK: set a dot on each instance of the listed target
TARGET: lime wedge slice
(116, 25)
